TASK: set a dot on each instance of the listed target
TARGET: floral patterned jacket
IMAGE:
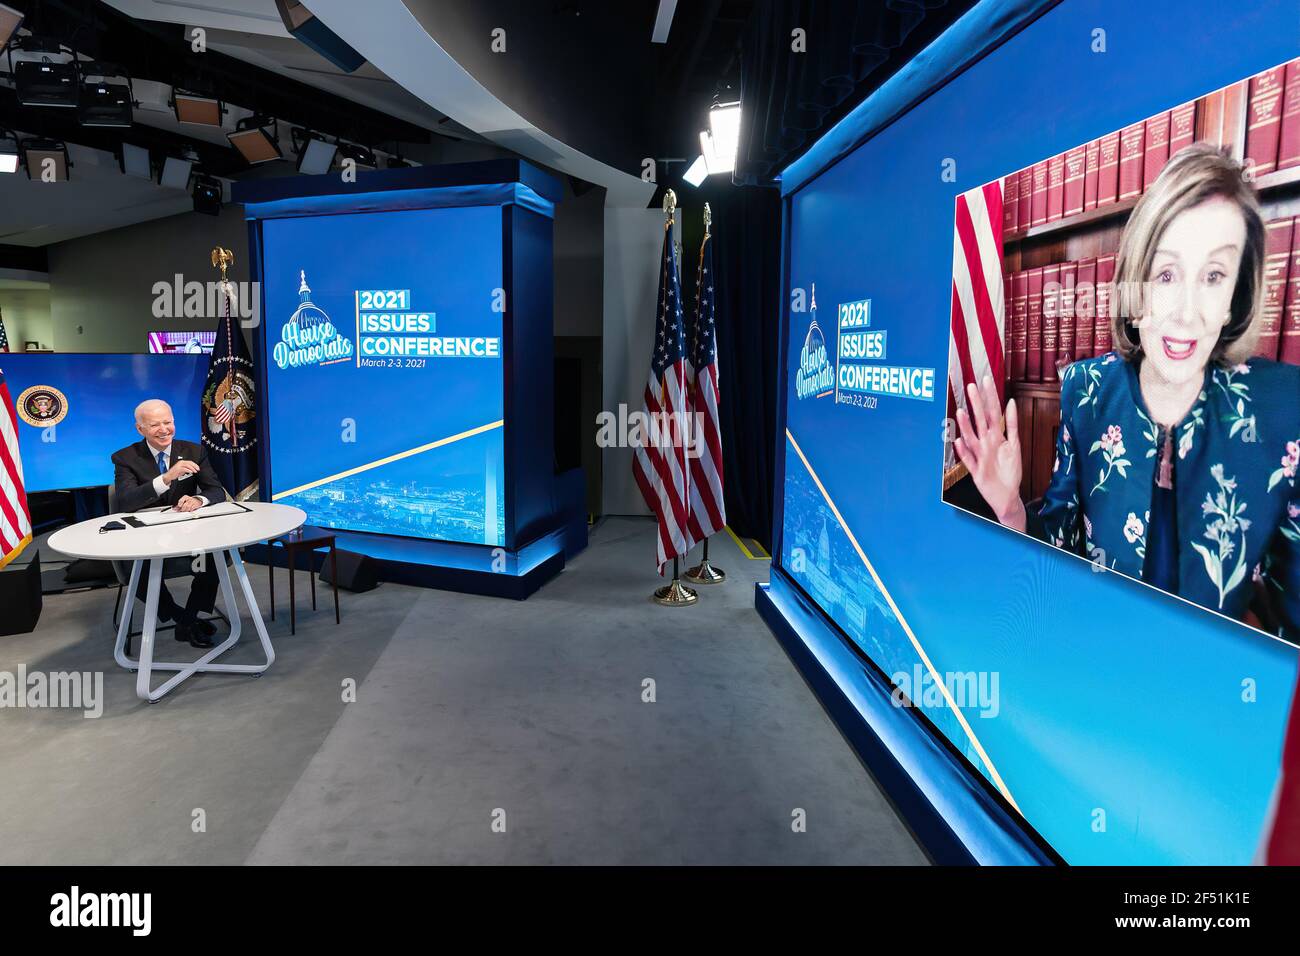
(1235, 480)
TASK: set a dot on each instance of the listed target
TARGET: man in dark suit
(157, 471)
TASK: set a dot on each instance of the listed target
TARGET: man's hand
(188, 502)
(180, 470)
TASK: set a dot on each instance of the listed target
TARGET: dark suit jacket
(135, 467)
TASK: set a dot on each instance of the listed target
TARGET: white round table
(219, 535)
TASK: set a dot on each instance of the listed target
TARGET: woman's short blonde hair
(1191, 176)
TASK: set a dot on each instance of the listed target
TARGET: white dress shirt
(159, 485)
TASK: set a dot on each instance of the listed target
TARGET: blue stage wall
(1130, 727)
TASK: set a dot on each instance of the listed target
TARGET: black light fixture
(102, 103)
(315, 153)
(45, 83)
(196, 108)
(8, 151)
(207, 195)
(361, 155)
(10, 21)
(46, 160)
(135, 161)
(257, 139)
(175, 173)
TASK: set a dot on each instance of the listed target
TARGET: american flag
(15, 519)
(225, 411)
(660, 465)
(708, 513)
(4, 338)
(976, 334)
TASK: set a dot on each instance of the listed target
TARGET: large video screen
(383, 359)
(1127, 724)
(75, 410)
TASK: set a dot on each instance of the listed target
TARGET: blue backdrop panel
(1128, 726)
(346, 428)
(102, 391)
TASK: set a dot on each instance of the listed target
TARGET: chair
(172, 568)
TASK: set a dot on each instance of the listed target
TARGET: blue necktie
(162, 462)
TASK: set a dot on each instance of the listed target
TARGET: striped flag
(15, 519)
(975, 339)
(708, 512)
(660, 465)
(4, 338)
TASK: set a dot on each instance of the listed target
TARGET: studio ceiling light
(196, 109)
(176, 172)
(696, 172)
(102, 103)
(207, 195)
(315, 153)
(45, 82)
(46, 160)
(135, 161)
(255, 138)
(362, 156)
(8, 152)
(721, 141)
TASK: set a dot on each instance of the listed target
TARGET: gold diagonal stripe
(761, 556)
(925, 658)
(384, 461)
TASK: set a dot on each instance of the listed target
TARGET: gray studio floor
(469, 711)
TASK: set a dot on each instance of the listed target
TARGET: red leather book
(1289, 351)
(1264, 119)
(1010, 202)
(1156, 152)
(1209, 118)
(1092, 156)
(1019, 325)
(1034, 326)
(1108, 169)
(1074, 163)
(1132, 145)
(1288, 149)
(1277, 261)
(1008, 318)
(1101, 343)
(1055, 187)
(1039, 214)
(1085, 307)
(1025, 214)
(1066, 350)
(1234, 118)
(1051, 322)
(1182, 127)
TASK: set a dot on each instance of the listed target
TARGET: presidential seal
(229, 405)
(42, 406)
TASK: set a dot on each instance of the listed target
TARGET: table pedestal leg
(205, 664)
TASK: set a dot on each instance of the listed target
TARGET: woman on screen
(1178, 456)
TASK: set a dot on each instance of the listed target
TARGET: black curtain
(747, 286)
(852, 46)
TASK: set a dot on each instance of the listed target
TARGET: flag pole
(704, 572)
(675, 594)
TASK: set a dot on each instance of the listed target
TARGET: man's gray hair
(146, 405)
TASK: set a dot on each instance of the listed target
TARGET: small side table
(309, 539)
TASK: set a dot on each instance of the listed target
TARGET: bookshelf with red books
(1064, 264)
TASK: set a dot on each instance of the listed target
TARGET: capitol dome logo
(815, 377)
(309, 337)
